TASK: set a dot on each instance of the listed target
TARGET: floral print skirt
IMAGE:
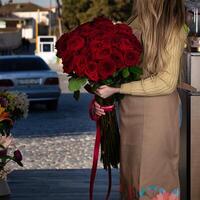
(150, 139)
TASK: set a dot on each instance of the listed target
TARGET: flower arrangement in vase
(5, 157)
(13, 106)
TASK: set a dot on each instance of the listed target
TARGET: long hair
(160, 22)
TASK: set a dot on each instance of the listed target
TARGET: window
(46, 47)
(46, 39)
(2, 24)
(22, 64)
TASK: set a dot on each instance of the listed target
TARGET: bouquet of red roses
(101, 53)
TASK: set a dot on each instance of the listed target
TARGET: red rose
(125, 44)
(136, 43)
(86, 52)
(80, 64)
(107, 68)
(103, 23)
(67, 65)
(115, 42)
(131, 57)
(100, 48)
(75, 43)
(123, 29)
(92, 71)
(61, 45)
(117, 58)
(18, 155)
(97, 35)
(102, 53)
(86, 29)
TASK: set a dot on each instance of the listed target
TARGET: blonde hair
(160, 23)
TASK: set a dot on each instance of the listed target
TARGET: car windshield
(22, 64)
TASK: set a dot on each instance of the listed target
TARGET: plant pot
(4, 188)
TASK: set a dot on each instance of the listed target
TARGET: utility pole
(50, 18)
(59, 17)
(36, 31)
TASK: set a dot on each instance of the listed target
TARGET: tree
(59, 17)
(76, 12)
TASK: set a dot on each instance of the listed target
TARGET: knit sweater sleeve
(164, 82)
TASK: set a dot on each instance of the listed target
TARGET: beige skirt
(150, 138)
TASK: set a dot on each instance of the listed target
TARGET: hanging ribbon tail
(109, 182)
(96, 149)
(95, 160)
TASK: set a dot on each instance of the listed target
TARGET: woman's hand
(105, 91)
(98, 110)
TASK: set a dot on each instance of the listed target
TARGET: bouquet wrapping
(101, 53)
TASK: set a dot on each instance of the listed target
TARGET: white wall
(28, 33)
(41, 16)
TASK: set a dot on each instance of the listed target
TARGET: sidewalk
(56, 152)
(71, 184)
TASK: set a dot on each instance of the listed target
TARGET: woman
(149, 112)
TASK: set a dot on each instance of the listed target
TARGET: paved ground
(71, 117)
(60, 152)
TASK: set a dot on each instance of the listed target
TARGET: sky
(44, 3)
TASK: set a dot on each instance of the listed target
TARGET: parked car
(30, 74)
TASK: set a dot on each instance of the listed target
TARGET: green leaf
(116, 74)
(74, 84)
(76, 95)
(125, 73)
(83, 81)
(108, 81)
(135, 70)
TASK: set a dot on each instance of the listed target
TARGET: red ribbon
(94, 117)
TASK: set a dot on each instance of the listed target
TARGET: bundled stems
(110, 138)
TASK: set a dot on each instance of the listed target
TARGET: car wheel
(52, 105)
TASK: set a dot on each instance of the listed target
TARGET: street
(70, 118)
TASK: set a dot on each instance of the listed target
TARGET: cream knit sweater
(164, 82)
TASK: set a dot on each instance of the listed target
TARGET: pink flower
(166, 196)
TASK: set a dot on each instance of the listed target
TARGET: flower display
(13, 106)
(5, 146)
